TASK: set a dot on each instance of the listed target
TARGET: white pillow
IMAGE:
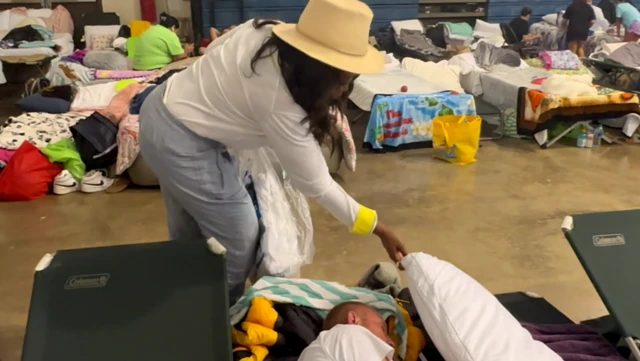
(91, 30)
(464, 320)
(443, 75)
(93, 97)
(5, 19)
(40, 13)
(550, 18)
(407, 25)
(488, 28)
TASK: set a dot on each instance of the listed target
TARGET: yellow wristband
(365, 221)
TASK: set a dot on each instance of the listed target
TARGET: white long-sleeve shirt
(219, 97)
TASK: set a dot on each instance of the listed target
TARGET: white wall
(130, 9)
(127, 9)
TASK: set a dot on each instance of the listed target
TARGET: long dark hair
(310, 83)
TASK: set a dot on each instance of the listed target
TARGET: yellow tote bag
(456, 138)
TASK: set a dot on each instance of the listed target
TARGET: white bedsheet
(27, 52)
(503, 85)
(471, 82)
(366, 87)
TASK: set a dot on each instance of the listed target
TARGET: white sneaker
(95, 181)
(64, 183)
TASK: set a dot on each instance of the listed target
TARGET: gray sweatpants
(201, 189)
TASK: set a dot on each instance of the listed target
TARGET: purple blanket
(574, 342)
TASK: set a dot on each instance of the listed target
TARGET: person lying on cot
(353, 332)
(160, 46)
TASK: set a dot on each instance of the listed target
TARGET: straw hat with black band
(335, 32)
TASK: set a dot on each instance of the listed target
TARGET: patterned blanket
(39, 129)
(406, 121)
(538, 111)
(537, 63)
(321, 296)
(120, 74)
(67, 72)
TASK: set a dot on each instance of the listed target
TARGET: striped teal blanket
(322, 296)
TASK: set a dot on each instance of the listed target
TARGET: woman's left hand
(391, 243)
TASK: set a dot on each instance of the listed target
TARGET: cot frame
(566, 227)
(611, 72)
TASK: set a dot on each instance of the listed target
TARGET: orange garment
(138, 27)
(415, 339)
(536, 98)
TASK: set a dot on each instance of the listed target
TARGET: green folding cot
(608, 247)
(612, 74)
(162, 301)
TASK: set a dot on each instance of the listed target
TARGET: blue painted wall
(503, 11)
(228, 12)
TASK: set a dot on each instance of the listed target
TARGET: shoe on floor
(64, 183)
(95, 181)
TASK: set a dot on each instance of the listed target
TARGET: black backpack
(96, 140)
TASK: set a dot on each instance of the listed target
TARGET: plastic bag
(456, 138)
(27, 176)
(287, 241)
(65, 152)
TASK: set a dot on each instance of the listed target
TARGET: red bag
(27, 176)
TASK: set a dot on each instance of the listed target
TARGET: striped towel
(322, 296)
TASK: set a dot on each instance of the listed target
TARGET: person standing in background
(629, 16)
(578, 18)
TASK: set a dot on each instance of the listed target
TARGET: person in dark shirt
(578, 18)
(520, 25)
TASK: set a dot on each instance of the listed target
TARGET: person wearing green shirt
(160, 45)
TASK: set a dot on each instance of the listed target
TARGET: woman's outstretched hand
(391, 243)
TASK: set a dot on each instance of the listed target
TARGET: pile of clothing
(29, 36)
(564, 60)
(458, 35)
(81, 147)
(408, 38)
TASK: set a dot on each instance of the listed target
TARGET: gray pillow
(106, 60)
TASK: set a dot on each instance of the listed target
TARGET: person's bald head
(356, 313)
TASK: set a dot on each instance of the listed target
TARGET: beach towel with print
(321, 296)
(406, 121)
(122, 74)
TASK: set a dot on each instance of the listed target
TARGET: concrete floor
(499, 220)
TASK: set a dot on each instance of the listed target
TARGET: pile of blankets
(29, 36)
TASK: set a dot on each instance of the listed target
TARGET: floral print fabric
(564, 59)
